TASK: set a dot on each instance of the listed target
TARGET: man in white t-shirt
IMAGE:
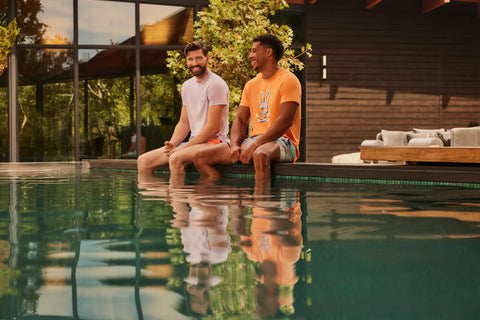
(204, 115)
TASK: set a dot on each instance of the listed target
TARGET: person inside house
(204, 116)
(132, 151)
(272, 102)
(114, 138)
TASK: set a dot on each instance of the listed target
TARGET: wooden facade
(388, 67)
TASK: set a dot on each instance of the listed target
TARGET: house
(376, 64)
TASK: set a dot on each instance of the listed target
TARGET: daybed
(424, 145)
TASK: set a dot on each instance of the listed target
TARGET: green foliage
(158, 99)
(229, 28)
(8, 35)
(46, 129)
(6, 274)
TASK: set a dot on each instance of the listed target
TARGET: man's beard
(198, 73)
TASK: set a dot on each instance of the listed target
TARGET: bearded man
(204, 116)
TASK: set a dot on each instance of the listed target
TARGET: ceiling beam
(372, 3)
(429, 5)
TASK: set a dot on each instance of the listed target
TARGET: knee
(201, 158)
(261, 158)
(141, 162)
(174, 161)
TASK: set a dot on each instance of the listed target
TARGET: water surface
(100, 244)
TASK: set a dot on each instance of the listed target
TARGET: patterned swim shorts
(287, 149)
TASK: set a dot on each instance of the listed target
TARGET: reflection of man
(204, 115)
(272, 102)
(275, 240)
(206, 241)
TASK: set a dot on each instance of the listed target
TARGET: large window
(45, 105)
(107, 63)
(106, 100)
(45, 21)
(165, 25)
(95, 26)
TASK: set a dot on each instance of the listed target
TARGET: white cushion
(394, 138)
(372, 143)
(466, 137)
(425, 142)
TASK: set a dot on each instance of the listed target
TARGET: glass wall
(106, 100)
(45, 21)
(45, 102)
(78, 95)
(97, 27)
(161, 103)
(105, 52)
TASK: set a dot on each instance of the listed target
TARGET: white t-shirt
(206, 240)
(197, 97)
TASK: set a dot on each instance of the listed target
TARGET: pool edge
(311, 171)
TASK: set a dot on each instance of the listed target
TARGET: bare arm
(239, 126)
(237, 133)
(214, 122)
(275, 131)
(280, 126)
(181, 130)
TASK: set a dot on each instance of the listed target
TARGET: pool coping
(310, 171)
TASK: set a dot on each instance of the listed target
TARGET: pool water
(101, 244)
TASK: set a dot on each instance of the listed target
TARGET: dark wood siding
(390, 67)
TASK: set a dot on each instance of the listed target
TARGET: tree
(8, 34)
(229, 27)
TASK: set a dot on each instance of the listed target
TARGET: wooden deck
(422, 154)
(311, 171)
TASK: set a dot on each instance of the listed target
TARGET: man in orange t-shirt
(272, 102)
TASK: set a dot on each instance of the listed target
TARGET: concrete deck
(422, 172)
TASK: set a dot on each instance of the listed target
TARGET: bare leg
(206, 158)
(262, 159)
(150, 185)
(183, 157)
(148, 161)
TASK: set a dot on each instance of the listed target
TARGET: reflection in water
(104, 245)
(268, 230)
(206, 242)
(274, 240)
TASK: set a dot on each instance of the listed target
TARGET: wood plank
(390, 67)
(422, 154)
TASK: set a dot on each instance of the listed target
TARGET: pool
(99, 244)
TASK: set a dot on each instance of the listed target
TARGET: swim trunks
(287, 149)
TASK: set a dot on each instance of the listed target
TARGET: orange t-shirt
(264, 97)
(266, 238)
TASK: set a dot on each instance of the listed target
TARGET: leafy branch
(229, 27)
(8, 34)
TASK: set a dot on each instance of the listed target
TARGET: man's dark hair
(268, 40)
(195, 45)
